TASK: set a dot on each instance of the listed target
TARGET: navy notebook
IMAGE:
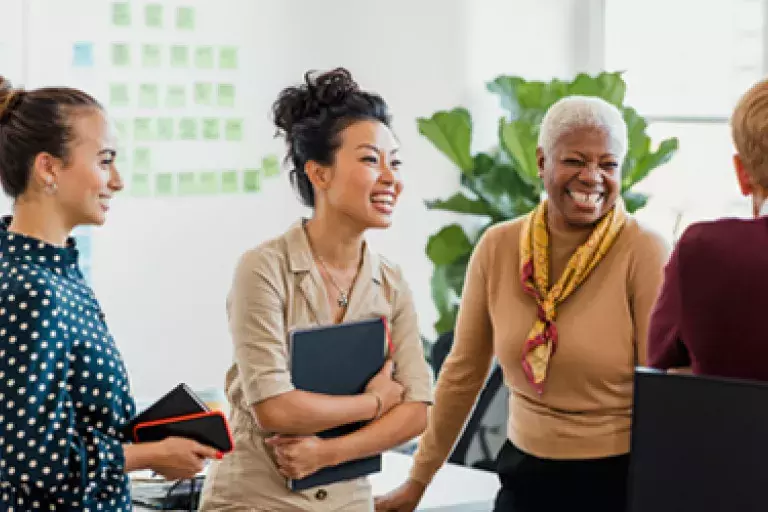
(338, 360)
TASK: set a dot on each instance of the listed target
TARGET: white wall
(162, 268)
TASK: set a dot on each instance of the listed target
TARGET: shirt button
(321, 494)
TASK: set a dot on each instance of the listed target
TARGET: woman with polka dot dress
(64, 391)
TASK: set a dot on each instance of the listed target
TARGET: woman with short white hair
(562, 299)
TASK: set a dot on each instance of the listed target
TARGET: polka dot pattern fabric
(64, 391)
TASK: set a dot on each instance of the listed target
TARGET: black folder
(180, 401)
(338, 360)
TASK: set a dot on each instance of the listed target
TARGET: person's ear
(319, 175)
(742, 176)
(540, 161)
(46, 169)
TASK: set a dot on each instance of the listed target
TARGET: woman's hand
(175, 458)
(403, 499)
(389, 391)
(300, 456)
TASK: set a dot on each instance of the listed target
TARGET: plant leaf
(460, 203)
(451, 133)
(448, 245)
(633, 201)
(649, 162)
(519, 140)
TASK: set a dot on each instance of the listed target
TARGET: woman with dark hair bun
(345, 165)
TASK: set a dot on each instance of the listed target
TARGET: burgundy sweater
(714, 301)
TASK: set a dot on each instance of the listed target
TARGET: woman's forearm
(401, 424)
(302, 413)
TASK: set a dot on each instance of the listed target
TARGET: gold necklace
(343, 299)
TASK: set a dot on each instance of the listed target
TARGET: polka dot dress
(64, 392)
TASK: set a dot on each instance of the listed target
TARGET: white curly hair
(575, 112)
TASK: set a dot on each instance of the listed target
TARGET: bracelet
(379, 405)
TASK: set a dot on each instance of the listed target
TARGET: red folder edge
(185, 417)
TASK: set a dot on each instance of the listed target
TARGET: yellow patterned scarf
(541, 343)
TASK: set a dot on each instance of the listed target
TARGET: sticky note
(203, 93)
(270, 165)
(176, 96)
(179, 56)
(121, 54)
(121, 14)
(153, 15)
(148, 96)
(188, 129)
(229, 182)
(228, 57)
(150, 55)
(233, 129)
(141, 159)
(82, 55)
(164, 184)
(211, 129)
(140, 185)
(187, 183)
(165, 128)
(121, 129)
(119, 95)
(142, 129)
(185, 18)
(251, 180)
(226, 94)
(208, 182)
(204, 57)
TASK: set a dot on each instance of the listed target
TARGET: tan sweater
(585, 409)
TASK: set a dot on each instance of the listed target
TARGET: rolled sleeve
(257, 326)
(411, 368)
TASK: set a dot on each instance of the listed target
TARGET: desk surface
(454, 488)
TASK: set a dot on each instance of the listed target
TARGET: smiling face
(363, 183)
(86, 182)
(581, 176)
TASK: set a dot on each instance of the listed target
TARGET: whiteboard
(182, 84)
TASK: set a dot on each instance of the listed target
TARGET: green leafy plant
(503, 183)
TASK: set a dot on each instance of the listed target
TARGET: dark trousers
(530, 484)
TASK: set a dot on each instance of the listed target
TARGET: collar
(301, 259)
(31, 249)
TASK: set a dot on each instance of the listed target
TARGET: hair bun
(9, 98)
(310, 99)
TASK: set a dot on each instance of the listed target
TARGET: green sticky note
(118, 95)
(228, 57)
(179, 56)
(233, 129)
(176, 96)
(142, 129)
(271, 166)
(229, 182)
(188, 129)
(209, 182)
(251, 180)
(165, 128)
(204, 57)
(148, 96)
(226, 95)
(141, 159)
(121, 14)
(187, 183)
(121, 54)
(153, 15)
(211, 129)
(185, 18)
(164, 184)
(121, 129)
(203, 93)
(150, 55)
(140, 185)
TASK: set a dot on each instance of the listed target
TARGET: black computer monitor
(699, 444)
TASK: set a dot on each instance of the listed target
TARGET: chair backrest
(698, 443)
